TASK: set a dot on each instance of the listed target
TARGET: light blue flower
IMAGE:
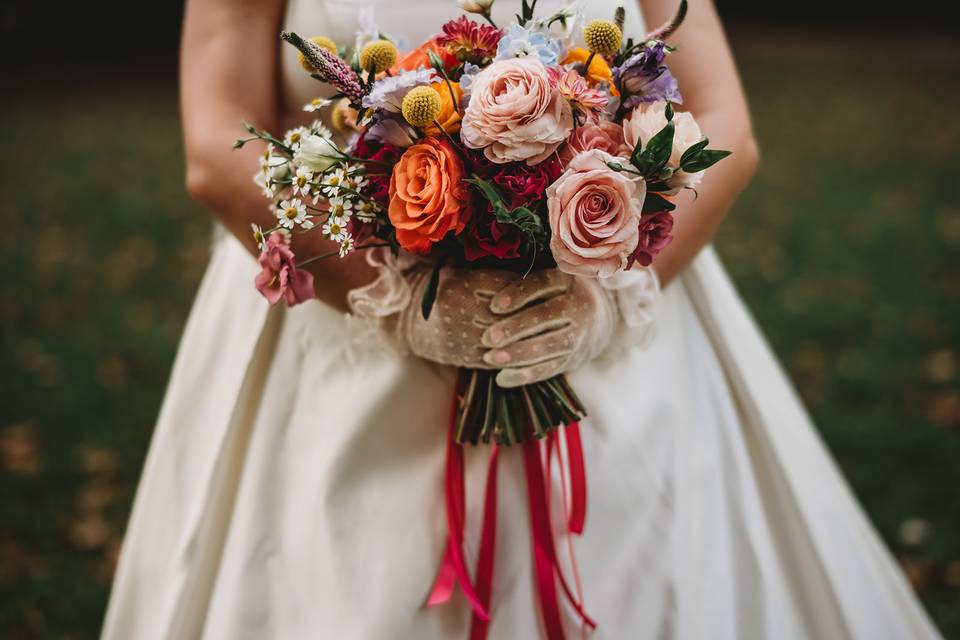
(519, 42)
(470, 71)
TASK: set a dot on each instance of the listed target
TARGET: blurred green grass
(846, 248)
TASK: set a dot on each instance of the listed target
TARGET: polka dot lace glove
(546, 324)
(461, 313)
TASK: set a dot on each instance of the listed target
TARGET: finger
(535, 350)
(517, 377)
(528, 322)
(489, 282)
(539, 285)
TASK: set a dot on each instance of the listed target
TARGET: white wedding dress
(294, 485)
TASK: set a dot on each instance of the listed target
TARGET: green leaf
(430, 294)
(655, 155)
(693, 151)
(668, 111)
(656, 186)
(654, 202)
(706, 159)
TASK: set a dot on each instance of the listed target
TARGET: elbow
(749, 156)
(200, 181)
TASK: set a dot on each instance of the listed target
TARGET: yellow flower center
(421, 106)
(379, 55)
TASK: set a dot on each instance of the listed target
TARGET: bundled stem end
(490, 413)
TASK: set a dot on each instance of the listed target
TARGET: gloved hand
(461, 311)
(548, 323)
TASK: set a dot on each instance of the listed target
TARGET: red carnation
(524, 185)
(470, 41)
(487, 237)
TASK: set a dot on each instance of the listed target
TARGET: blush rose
(593, 213)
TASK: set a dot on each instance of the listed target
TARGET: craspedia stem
(669, 28)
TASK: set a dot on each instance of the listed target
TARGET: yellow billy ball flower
(421, 106)
(324, 43)
(379, 55)
(603, 37)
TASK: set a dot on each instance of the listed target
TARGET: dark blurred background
(846, 248)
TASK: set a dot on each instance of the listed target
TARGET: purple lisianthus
(644, 77)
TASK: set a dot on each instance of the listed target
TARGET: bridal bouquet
(544, 145)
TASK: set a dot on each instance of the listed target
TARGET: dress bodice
(408, 21)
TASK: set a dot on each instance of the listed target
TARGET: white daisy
(367, 211)
(346, 246)
(333, 181)
(316, 104)
(258, 236)
(292, 212)
(335, 229)
(294, 136)
(302, 182)
(355, 179)
(340, 208)
(317, 128)
(267, 186)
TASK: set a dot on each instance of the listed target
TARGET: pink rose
(279, 276)
(594, 213)
(604, 135)
(654, 233)
(514, 113)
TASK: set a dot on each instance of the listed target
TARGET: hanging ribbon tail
(453, 569)
(544, 557)
(577, 511)
(578, 478)
(488, 539)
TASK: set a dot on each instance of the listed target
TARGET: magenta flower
(279, 276)
(654, 235)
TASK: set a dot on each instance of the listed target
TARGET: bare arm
(228, 74)
(711, 90)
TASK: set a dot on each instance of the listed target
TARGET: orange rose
(428, 197)
(449, 117)
(599, 70)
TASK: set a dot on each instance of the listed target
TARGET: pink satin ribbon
(453, 569)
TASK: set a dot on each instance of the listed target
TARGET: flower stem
(586, 65)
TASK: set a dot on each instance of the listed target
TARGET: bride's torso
(408, 21)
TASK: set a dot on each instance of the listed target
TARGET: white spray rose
(475, 6)
(317, 153)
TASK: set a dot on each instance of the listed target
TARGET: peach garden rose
(594, 213)
(514, 113)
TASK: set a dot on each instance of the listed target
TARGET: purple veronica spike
(330, 67)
